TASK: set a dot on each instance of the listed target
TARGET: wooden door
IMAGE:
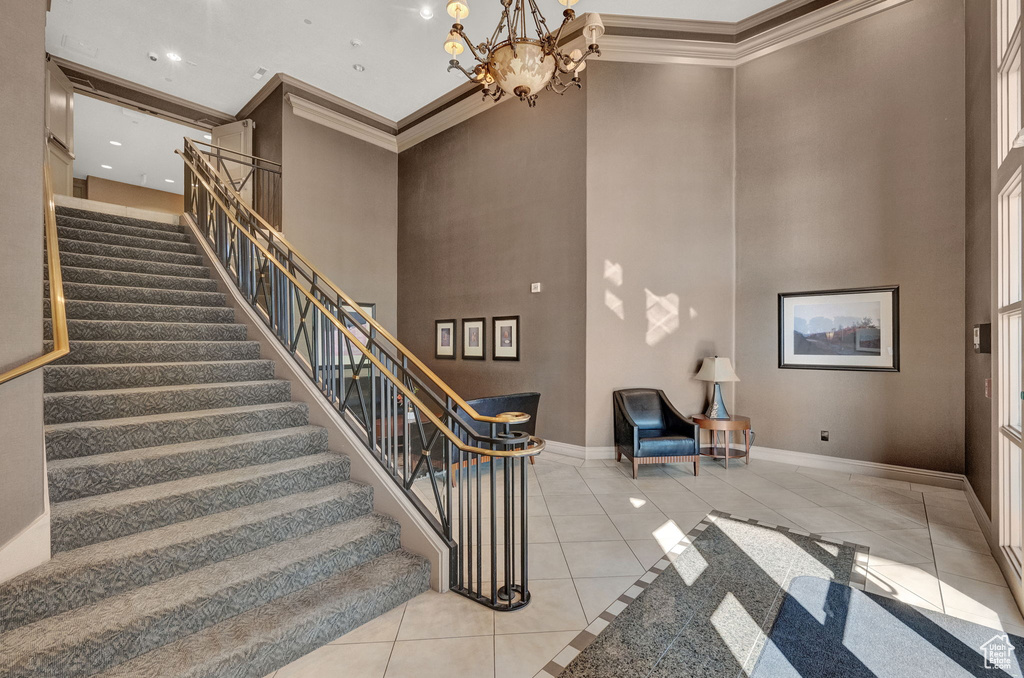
(237, 137)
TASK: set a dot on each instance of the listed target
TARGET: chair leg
(533, 461)
(618, 454)
(636, 466)
(696, 467)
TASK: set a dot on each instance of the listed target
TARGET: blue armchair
(649, 430)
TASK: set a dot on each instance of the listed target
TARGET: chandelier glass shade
(522, 57)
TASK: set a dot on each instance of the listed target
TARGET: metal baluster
(524, 540)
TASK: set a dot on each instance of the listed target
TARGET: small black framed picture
(506, 338)
(850, 329)
(444, 339)
(474, 338)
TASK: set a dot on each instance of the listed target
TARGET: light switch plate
(535, 288)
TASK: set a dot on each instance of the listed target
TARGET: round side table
(727, 427)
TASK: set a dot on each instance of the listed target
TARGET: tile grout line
(395, 641)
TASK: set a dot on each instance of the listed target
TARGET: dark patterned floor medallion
(705, 609)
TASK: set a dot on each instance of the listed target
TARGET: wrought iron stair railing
(472, 488)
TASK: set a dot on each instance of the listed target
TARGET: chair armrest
(677, 423)
(625, 427)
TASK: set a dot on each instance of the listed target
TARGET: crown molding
(341, 123)
(768, 15)
(638, 49)
(810, 26)
(463, 102)
(445, 119)
(648, 23)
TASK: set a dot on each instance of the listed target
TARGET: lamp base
(716, 410)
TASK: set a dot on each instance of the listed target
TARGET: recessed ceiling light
(356, 42)
(106, 167)
(170, 181)
(173, 57)
(115, 143)
(427, 13)
(359, 68)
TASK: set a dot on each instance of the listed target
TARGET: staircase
(200, 525)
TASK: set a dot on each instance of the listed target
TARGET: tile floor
(594, 530)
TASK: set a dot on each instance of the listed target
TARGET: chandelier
(512, 61)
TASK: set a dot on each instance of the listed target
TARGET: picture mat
(853, 301)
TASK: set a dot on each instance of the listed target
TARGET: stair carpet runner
(200, 526)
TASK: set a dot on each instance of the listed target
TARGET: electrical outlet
(824, 436)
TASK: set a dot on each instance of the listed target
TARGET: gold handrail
(244, 155)
(508, 418)
(58, 315)
(536, 445)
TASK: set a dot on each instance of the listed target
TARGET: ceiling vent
(73, 44)
(260, 72)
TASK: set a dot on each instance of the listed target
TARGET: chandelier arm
(569, 16)
(476, 55)
(454, 65)
(539, 21)
(504, 21)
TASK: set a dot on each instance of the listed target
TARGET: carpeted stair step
(121, 252)
(90, 520)
(261, 640)
(105, 352)
(57, 378)
(80, 439)
(102, 473)
(137, 295)
(111, 310)
(66, 233)
(96, 276)
(120, 330)
(113, 263)
(84, 576)
(97, 637)
(92, 406)
(116, 219)
(122, 229)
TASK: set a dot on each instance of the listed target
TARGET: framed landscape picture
(855, 329)
(474, 338)
(444, 339)
(506, 338)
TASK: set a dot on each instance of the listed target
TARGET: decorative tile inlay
(759, 590)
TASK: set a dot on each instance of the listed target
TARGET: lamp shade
(717, 369)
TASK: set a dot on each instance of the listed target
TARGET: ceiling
(223, 42)
(146, 155)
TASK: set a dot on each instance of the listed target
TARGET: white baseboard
(579, 451)
(29, 548)
(565, 449)
(953, 481)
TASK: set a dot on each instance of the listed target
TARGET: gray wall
(850, 173)
(979, 459)
(660, 206)
(485, 209)
(266, 135)
(340, 209)
(21, 275)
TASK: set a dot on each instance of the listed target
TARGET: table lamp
(717, 370)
